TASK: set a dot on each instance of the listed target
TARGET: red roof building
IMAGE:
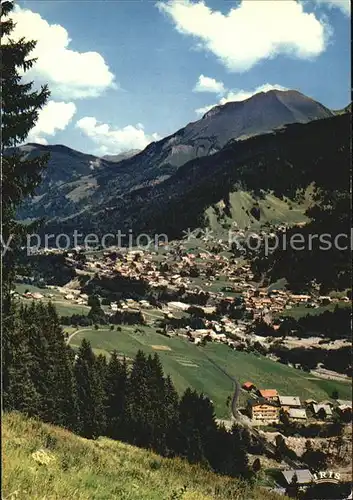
(248, 386)
(270, 394)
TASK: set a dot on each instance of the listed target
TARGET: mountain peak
(264, 98)
(259, 114)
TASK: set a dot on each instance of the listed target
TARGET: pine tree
(207, 426)
(116, 391)
(156, 407)
(37, 333)
(101, 375)
(223, 457)
(281, 448)
(20, 105)
(19, 390)
(70, 403)
(96, 313)
(190, 441)
(50, 363)
(240, 441)
(64, 407)
(90, 396)
(292, 488)
(171, 415)
(140, 428)
(19, 112)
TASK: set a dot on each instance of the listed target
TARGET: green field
(63, 307)
(202, 368)
(184, 362)
(23, 287)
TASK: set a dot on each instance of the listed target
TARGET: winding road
(239, 417)
(73, 334)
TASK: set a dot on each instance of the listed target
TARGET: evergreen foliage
(20, 105)
(96, 313)
(92, 397)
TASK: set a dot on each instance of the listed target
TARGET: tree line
(335, 324)
(92, 396)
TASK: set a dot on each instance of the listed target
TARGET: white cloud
(115, 141)
(52, 117)
(253, 31)
(343, 5)
(69, 73)
(204, 109)
(207, 84)
(240, 95)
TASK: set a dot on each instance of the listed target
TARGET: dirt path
(330, 375)
(73, 334)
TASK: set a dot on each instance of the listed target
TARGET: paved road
(236, 385)
(240, 418)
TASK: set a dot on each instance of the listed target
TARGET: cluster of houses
(263, 302)
(174, 269)
(140, 265)
(75, 296)
(130, 305)
(72, 296)
(266, 406)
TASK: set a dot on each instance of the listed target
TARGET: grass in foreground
(41, 461)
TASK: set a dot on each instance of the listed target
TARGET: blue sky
(140, 84)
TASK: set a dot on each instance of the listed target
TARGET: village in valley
(176, 293)
(201, 295)
(209, 277)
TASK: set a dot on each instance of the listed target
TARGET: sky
(123, 73)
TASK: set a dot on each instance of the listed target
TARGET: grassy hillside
(271, 209)
(45, 462)
(202, 368)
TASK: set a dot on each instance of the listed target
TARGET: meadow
(43, 462)
(210, 369)
(273, 210)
